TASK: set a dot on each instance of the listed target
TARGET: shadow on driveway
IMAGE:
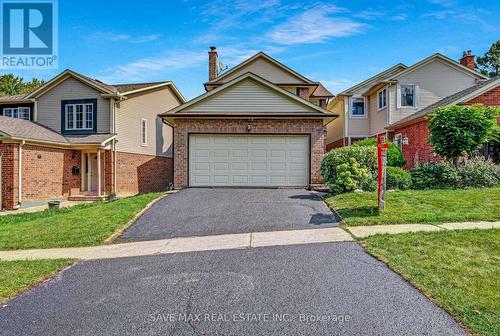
(202, 212)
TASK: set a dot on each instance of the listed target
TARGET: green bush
(394, 155)
(366, 157)
(478, 173)
(398, 178)
(434, 176)
(349, 177)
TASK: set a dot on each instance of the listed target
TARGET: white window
(144, 132)
(18, 112)
(408, 95)
(79, 116)
(358, 107)
(382, 99)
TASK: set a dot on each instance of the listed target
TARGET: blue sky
(336, 42)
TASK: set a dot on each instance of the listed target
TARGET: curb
(118, 233)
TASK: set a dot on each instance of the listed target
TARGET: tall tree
(13, 85)
(489, 64)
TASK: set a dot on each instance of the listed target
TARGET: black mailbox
(75, 170)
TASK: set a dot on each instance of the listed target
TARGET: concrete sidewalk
(366, 231)
(185, 244)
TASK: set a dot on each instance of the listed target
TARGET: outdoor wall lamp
(249, 128)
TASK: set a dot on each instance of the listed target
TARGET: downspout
(114, 166)
(20, 176)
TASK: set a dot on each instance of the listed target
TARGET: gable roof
(19, 129)
(321, 92)
(374, 79)
(438, 56)
(117, 90)
(318, 110)
(252, 59)
(456, 98)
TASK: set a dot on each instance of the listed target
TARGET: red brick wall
(491, 98)
(9, 175)
(185, 126)
(336, 144)
(47, 172)
(138, 173)
(417, 150)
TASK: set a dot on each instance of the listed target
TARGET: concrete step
(87, 198)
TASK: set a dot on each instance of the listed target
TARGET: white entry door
(248, 160)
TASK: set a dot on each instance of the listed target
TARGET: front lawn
(17, 276)
(459, 270)
(82, 225)
(419, 206)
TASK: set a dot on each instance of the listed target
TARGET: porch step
(89, 198)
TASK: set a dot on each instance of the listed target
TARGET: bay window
(408, 95)
(382, 99)
(358, 107)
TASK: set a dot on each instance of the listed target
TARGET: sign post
(382, 162)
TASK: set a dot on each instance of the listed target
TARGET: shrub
(398, 178)
(434, 175)
(478, 172)
(350, 176)
(365, 156)
(457, 130)
(394, 155)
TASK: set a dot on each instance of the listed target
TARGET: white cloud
(150, 66)
(314, 25)
(115, 37)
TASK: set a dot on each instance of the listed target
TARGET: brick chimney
(468, 60)
(212, 63)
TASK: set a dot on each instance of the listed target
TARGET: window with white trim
(358, 107)
(144, 132)
(79, 116)
(408, 95)
(17, 112)
(382, 99)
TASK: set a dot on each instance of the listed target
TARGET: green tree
(13, 85)
(489, 64)
(456, 130)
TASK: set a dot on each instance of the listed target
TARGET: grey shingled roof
(135, 86)
(14, 98)
(29, 130)
(447, 100)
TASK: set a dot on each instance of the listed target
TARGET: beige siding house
(78, 138)
(395, 94)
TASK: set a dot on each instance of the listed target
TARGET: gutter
(1, 199)
(19, 176)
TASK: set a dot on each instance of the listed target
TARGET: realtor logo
(29, 34)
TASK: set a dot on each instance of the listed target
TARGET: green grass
(419, 206)
(17, 276)
(459, 270)
(82, 225)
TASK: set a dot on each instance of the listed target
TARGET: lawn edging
(118, 232)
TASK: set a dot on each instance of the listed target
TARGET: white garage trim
(249, 160)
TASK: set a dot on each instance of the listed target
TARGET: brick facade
(48, 172)
(418, 150)
(337, 144)
(9, 175)
(314, 128)
(138, 173)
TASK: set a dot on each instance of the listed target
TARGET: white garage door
(248, 160)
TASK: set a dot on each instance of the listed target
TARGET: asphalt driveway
(201, 212)
(324, 289)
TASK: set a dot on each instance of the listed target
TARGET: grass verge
(18, 276)
(419, 206)
(81, 225)
(459, 270)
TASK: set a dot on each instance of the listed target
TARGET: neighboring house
(259, 124)
(396, 93)
(79, 138)
(412, 132)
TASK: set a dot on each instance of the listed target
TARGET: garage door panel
(248, 160)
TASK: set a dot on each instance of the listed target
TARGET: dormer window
(17, 112)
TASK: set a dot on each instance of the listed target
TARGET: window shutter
(398, 97)
(417, 96)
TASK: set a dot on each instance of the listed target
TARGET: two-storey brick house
(79, 138)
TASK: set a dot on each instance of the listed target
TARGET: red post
(382, 162)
